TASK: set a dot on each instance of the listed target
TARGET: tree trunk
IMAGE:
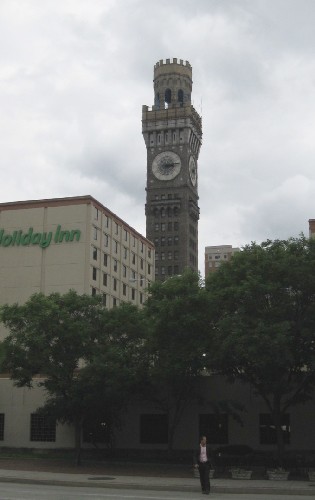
(279, 432)
(77, 438)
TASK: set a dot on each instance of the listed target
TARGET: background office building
(215, 255)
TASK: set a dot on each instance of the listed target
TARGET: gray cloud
(74, 77)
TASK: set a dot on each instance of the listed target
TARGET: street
(10, 491)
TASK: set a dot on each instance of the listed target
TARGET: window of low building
(43, 428)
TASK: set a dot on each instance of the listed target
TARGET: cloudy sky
(74, 75)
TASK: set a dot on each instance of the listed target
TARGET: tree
(176, 310)
(87, 354)
(263, 323)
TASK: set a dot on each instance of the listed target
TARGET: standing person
(201, 459)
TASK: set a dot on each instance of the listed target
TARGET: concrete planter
(311, 475)
(241, 474)
(278, 475)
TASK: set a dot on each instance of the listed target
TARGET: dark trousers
(204, 471)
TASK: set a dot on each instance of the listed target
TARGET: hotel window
(104, 299)
(267, 429)
(133, 255)
(1, 426)
(133, 241)
(169, 270)
(156, 271)
(141, 298)
(162, 241)
(175, 240)
(133, 294)
(133, 275)
(141, 280)
(106, 240)
(125, 235)
(116, 228)
(162, 270)
(115, 265)
(169, 226)
(94, 253)
(169, 241)
(115, 246)
(156, 242)
(115, 284)
(149, 268)
(125, 253)
(106, 224)
(96, 213)
(215, 427)
(124, 269)
(162, 255)
(43, 428)
(141, 247)
(153, 429)
(149, 253)
(141, 263)
(93, 291)
(124, 289)
(157, 256)
(163, 226)
(175, 226)
(95, 233)
(94, 273)
(156, 226)
(105, 259)
(176, 255)
(169, 255)
(104, 279)
(114, 302)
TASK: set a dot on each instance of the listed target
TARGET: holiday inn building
(71, 243)
(55, 245)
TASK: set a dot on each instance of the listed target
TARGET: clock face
(193, 170)
(166, 165)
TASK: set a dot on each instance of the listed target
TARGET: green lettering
(36, 237)
(7, 240)
(46, 239)
(64, 234)
(75, 233)
(26, 238)
(56, 238)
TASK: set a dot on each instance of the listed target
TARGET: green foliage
(262, 305)
(176, 313)
(90, 358)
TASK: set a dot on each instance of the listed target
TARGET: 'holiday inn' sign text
(22, 238)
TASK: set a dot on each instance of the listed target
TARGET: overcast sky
(74, 75)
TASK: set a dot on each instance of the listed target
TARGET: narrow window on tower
(180, 97)
(168, 97)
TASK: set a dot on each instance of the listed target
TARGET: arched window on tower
(168, 97)
(157, 100)
(180, 97)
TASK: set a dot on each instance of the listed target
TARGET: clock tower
(172, 133)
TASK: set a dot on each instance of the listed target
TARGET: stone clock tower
(172, 133)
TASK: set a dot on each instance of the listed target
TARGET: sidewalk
(109, 479)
